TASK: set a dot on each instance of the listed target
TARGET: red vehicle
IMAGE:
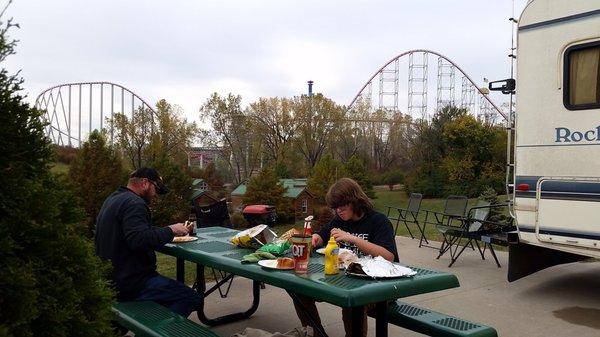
(260, 214)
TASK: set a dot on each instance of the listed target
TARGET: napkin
(257, 256)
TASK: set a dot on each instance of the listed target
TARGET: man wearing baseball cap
(125, 236)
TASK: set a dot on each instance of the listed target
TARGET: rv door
(568, 211)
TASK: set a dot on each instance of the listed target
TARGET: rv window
(582, 77)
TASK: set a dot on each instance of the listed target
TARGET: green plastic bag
(276, 248)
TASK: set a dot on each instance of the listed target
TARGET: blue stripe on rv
(562, 190)
(565, 233)
(560, 20)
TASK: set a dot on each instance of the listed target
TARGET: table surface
(213, 249)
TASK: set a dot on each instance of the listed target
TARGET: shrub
(266, 189)
(95, 173)
(51, 283)
(496, 213)
(392, 178)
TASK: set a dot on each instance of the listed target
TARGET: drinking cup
(301, 252)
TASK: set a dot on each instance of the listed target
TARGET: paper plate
(271, 264)
(180, 239)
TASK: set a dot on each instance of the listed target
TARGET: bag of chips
(254, 237)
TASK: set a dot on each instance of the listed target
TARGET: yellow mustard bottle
(332, 264)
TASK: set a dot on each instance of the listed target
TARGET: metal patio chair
(455, 231)
(409, 215)
(455, 207)
(477, 228)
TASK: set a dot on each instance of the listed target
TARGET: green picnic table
(213, 249)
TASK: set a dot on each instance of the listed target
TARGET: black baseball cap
(152, 175)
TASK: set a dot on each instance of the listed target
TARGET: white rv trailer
(556, 195)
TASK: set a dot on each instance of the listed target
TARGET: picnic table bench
(433, 323)
(150, 319)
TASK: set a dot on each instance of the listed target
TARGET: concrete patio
(559, 301)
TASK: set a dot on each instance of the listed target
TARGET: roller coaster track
(69, 120)
(419, 86)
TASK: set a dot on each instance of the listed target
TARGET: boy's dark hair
(347, 192)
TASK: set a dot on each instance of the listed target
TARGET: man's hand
(340, 235)
(179, 229)
(190, 226)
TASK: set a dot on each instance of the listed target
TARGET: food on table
(285, 263)
(186, 238)
(254, 237)
(288, 235)
(346, 257)
(378, 267)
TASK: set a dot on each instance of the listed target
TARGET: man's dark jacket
(126, 237)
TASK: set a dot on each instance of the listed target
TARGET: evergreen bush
(51, 283)
(95, 173)
(265, 188)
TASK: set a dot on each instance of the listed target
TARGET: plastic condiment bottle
(332, 264)
(308, 230)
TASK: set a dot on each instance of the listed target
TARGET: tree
(356, 170)
(457, 154)
(212, 177)
(265, 188)
(51, 283)
(132, 135)
(317, 118)
(95, 173)
(173, 135)
(233, 130)
(275, 125)
(326, 172)
(174, 206)
(146, 136)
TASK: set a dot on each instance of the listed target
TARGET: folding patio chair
(453, 233)
(454, 209)
(476, 228)
(409, 215)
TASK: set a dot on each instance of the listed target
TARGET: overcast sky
(183, 50)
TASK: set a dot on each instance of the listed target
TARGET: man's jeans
(172, 294)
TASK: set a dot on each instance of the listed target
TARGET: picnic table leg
(381, 319)
(180, 265)
(201, 288)
(358, 321)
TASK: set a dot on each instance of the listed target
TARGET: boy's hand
(316, 240)
(340, 235)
